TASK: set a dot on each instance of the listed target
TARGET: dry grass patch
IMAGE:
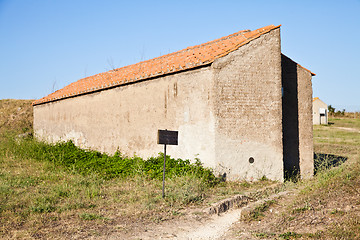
(328, 205)
(40, 200)
(16, 115)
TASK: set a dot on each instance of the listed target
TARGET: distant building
(239, 105)
(320, 112)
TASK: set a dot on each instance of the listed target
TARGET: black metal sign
(167, 137)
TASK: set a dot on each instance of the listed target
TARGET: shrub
(66, 154)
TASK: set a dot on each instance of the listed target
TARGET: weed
(264, 235)
(44, 204)
(307, 206)
(176, 213)
(245, 184)
(336, 211)
(263, 178)
(90, 216)
(348, 229)
(43, 207)
(326, 161)
(317, 235)
(186, 189)
(85, 162)
(290, 235)
(258, 211)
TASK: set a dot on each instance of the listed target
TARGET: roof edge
(59, 94)
(38, 102)
(312, 74)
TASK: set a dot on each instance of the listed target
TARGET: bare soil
(197, 223)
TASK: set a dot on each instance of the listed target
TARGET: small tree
(331, 110)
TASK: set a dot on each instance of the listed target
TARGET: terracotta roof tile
(185, 59)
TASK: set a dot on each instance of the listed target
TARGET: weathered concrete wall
(128, 117)
(297, 120)
(248, 110)
(317, 119)
(229, 114)
(306, 149)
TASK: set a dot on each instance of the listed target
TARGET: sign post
(167, 138)
(163, 186)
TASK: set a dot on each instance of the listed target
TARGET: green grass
(90, 216)
(327, 206)
(60, 191)
(37, 194)
(334, 139)
(333, 135)
(44, 185)
(290, 235)
(74, 159)
(258, 212)
(330, 200)
(345, 122)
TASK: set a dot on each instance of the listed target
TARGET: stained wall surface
(248, 110)
(127, 118)
(306, 149)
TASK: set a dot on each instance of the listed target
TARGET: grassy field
(326, 206)
(341, 137)
(332, 199)
(43, 198)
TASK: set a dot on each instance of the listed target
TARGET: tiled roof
(185, 59)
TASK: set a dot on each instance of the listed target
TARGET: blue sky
(47, 44)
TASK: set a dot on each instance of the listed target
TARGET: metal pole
(163, 188)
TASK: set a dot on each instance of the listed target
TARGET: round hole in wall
(251, 160)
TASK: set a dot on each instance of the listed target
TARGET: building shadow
(290, 118)
(326, 161)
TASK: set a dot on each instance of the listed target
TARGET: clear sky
(47, 44)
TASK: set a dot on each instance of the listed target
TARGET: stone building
(240, 106)
(320, 112)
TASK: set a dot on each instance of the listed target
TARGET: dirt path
(199, 224)
(202, 228)
(213, 228)
(348, 129)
